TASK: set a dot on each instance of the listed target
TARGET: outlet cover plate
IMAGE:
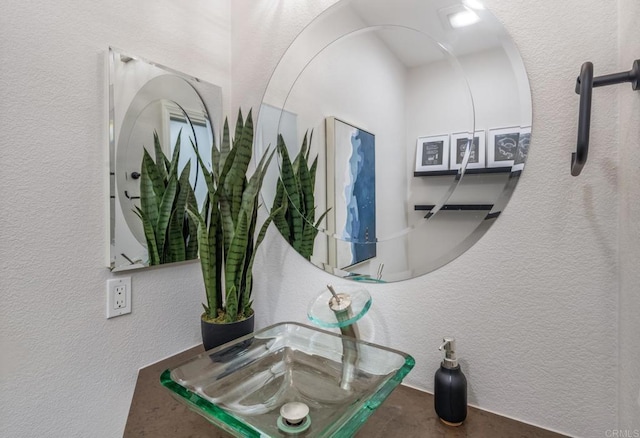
(118, 296)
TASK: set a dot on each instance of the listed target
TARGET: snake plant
(227, 224)
(164, 197)
(295, 200)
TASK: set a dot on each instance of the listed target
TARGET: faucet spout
(340, 304)
(349, 355)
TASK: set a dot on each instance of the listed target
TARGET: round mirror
(402, 128)
(150, 117)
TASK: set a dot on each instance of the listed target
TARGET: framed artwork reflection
(502, 147)
(351, 193)
(459, 144)
(432, 153)
(523, 148)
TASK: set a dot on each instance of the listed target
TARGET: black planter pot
(214, 335)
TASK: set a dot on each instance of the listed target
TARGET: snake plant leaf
(164, 212)
(175, 250)
(246, 298)
(207, 251)
(185, 191)
(234, 195)
(308, 238)
(162, 163)
(307, 203)
(149, 234)
(287, 176)
(306, 157)
(239, 125)
(312, 171)
(235, 199)
(225, 146)
(231, 304)
(252, 191)
(215, 239)
(219, 258)
(295, 194)
(301, 157)
(208, 176)
(210, 251)
(235, 258)
(280, 203)
(175, 247)
(191, 249)
(215, 163)
(227, 220)
(306, 244)
(235, 182)
(148, 194)
(175, 158)
(313, 168)
(317, 224)
(227, 166)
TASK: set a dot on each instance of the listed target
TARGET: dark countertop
(406, 413)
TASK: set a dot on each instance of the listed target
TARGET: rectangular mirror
(166, 113)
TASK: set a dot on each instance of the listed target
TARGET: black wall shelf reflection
(457, 207)
(468, 171)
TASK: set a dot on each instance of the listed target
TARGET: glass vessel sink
(241, 386)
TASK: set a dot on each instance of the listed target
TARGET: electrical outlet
(118, 296)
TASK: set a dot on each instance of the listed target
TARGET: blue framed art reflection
(351, 192)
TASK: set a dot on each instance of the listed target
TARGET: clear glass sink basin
(241, 386)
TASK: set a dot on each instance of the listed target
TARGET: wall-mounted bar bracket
(584, 87)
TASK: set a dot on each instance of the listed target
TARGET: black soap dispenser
(450, 387)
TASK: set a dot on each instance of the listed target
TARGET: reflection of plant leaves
(176, 245)
(163, 199)
(287, 176)
(306, 189)
(164, 212)
(184, 191)
(175, 158)
(149, 234)
(149, 179)
(191, 231)
(162, 164)
(225, 146)
(280, 219)
(295, 195)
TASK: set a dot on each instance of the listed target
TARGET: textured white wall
(534, 303)
(629, 222)
(66, 371)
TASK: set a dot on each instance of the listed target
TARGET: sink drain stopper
(294, 418)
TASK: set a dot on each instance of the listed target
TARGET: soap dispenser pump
(450, 387)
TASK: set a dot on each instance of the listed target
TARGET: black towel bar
(584, 87)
